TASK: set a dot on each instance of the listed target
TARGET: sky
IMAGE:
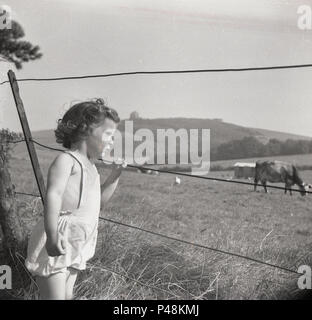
(83, 37)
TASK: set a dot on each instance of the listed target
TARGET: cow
(278, 171)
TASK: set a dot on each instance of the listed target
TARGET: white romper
(77, 225)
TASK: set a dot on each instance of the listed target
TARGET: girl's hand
(55, 248)
(117, 168)
(109, 145)
(119, 164)
(110, 184)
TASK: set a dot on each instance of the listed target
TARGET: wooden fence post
(27, 134)
(10, 222)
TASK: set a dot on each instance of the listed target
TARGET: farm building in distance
(244, 170)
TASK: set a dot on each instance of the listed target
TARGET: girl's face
(100, 137)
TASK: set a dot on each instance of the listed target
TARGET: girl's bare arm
(58, 175)
(110, 184)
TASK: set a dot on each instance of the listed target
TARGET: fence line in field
(173, 238)
(19, 104)
(178, 173)
(28, 194)
(194, 244)
(14, 141)
(165, 72)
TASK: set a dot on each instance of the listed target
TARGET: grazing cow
(278, 171)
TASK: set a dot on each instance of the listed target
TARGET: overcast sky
(79, 37)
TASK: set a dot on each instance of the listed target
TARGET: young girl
(64, 240)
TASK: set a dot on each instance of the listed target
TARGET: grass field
(270, 227)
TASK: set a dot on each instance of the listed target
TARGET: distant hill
(221, 132)
(282, 136)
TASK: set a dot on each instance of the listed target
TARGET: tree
(290, 146)
(273, 147)
(16, 50)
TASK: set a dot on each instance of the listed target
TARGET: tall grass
(271, 227)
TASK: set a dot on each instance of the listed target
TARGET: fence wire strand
(181, 173)
(185, 241)
(243, 69)
(28, 194)
(194, 244)
(173, 238)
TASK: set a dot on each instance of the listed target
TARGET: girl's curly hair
(80, 118)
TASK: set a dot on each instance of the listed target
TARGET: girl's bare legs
(58, 286)
(52, 287)
(70, 282)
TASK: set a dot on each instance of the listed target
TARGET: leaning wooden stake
(27, 134)
(14, 234)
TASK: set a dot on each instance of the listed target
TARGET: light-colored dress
(77, 225)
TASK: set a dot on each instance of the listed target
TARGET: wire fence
(200, 245)
(173, 238)
(28, 194)
(182, 173)
(243, 69)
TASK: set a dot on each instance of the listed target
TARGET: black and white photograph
(155, 152)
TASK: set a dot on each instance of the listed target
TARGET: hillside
(282, 136)
(221, 132)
